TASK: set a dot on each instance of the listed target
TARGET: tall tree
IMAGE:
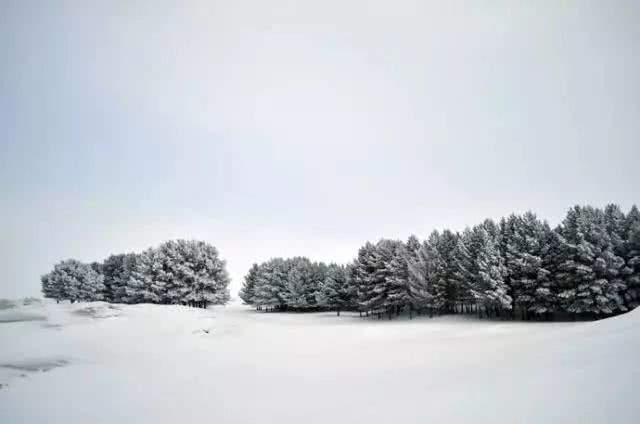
(270, 288)
(247, 292)
(398, 288)
(423, 267)
(631, 271)
(463, 281)
(334, 292)
(489, 288)
(298, 283)
(524, 260)
(589, 269)
(362, 276)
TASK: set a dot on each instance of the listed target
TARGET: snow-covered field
(96, 363)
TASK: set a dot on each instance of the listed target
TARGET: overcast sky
(279, 128)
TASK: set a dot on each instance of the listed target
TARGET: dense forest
(517, 268)
(186, 272)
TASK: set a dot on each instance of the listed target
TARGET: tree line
(187, 272)
(516, 268)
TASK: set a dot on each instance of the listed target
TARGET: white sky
(303, 128)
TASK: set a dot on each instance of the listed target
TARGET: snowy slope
(92, 363)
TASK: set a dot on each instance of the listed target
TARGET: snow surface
(99, 363)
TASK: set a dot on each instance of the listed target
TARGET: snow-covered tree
(51, 288)
(362, 276)
(419, 270)
(545, 300)
(398, 289)
(297, 283)
(117, 270)
(270, 284)
(524, 248)
(247, 291)
(380, 276)
(138, 283)
(590, 273)
(488, 286)
(631, 272)
(462, 283)
(73, 280)
(334, 292)
(413, 246)
(178, 272)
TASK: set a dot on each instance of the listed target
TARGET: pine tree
(422, 267)
(148, 280)
(590, 272)
(297, 283)
(398, 290)
(189, 271)
(317, 275)
(137, 285)
(524, 261)
(462, 281)
(334, 292)
(382, 279)
(270, 288)
(615, 223)
(489, 288)
(247, 292)
(413, 246)
(631, 271)
(362, 276)
(116, 276)
(74, 281)
(545, 299)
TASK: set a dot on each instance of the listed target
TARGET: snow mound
(7, 304)
(98, 310)
(35, 365)
(16, 315)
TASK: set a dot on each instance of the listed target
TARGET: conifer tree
(398, 289)
(589, 270)
(524, 260)
(488, 286)
(297, 283)
(362, 276)
(335, 292)
(423, 267)
(270, 288)
(73, 280)
(463, 283)
(631, 272)
(247, 292)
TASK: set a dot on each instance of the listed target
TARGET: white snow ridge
(169, 364)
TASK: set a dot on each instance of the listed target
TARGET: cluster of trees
(297, 284)
(187, 272)
(518, 267)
